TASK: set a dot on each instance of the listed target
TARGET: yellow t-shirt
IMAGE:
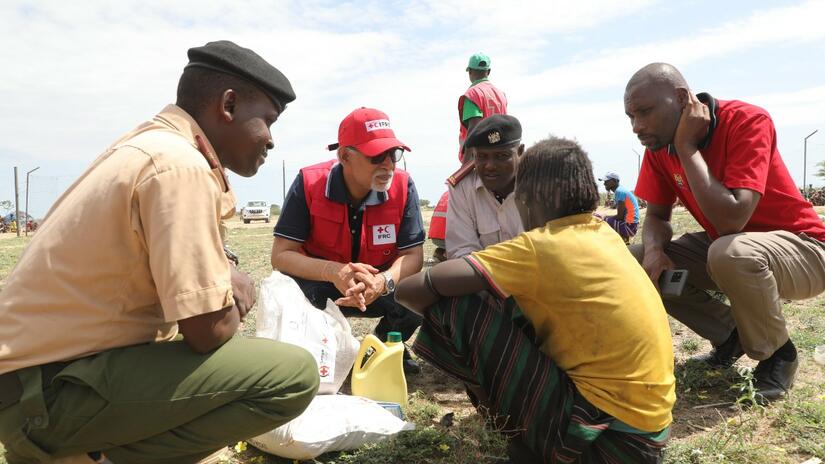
(596, 314)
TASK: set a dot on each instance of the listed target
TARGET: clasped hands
(360, 283)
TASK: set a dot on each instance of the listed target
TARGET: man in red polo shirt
(762, 241)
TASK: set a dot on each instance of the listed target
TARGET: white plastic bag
(286, 315)
(331, 423)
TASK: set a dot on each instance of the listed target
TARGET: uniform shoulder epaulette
(462, 172)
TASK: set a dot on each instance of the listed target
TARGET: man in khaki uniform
(130, 255)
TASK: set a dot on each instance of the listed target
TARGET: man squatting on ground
(351, 227)
(762, 241)
(482, 209)
(87, 318)
(578, 366)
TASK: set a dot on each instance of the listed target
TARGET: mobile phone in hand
(672, 282)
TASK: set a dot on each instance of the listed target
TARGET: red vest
(329, 234)
(438, 223)
(488, 98)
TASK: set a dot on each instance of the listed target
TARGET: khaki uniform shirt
(129, 249)
(475, 220)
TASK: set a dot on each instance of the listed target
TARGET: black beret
(229, 58)
(497, 130)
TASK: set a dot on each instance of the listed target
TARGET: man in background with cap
(350, 228)
(482, 209)
(626, 220)
(88, 368)
(481, 100)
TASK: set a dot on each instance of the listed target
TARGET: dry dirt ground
(709, 427)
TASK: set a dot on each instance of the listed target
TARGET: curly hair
(555, 174)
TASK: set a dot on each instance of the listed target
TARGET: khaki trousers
(756, 270)
(158, 403)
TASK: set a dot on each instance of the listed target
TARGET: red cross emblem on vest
(324, 371)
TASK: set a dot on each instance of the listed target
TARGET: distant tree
(424, 203)
(821, 172)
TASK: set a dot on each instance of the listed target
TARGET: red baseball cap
(369, 131)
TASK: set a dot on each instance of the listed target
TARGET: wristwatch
(389, 283)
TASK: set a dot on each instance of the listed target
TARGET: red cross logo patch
(383, 234)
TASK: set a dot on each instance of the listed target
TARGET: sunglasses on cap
(395, 155)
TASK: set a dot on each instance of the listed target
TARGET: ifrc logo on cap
(377, 124)
(383, 234)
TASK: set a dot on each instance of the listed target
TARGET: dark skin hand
(451, 278)
(207, 332)
(728, 210)
(656, 233)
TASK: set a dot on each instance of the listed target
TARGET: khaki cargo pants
(756, 270)
(158, 403)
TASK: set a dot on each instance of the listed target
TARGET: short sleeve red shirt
(741, 154)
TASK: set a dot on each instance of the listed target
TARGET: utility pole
(16, 202)
(27, 199)
(638, 162)
(283, 182)
(805, 166)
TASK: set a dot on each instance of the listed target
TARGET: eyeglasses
(395, 155)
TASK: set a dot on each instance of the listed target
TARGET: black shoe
(773, 377)
(724, 355)
(411, 367)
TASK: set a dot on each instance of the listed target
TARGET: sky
(77, 77)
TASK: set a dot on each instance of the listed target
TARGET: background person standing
(481, 100)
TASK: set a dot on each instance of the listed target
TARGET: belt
(11, 389)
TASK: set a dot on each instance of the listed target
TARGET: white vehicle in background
(255, 211)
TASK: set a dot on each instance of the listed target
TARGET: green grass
(10, 250)
(709, 426)
(689, 345)
(787, 432)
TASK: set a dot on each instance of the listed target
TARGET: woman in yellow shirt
(580, 360)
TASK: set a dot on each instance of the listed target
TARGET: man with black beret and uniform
(351, 227)
(130, 256)
(482, 209)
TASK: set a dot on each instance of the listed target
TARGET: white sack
(331, 423)
(286, 315)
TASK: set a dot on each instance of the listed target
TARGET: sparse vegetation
(713, 420)
(689, 345)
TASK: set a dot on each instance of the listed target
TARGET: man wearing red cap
(351, 228)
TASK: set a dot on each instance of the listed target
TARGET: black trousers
(394, 317)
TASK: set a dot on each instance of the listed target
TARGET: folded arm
(450, 278)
